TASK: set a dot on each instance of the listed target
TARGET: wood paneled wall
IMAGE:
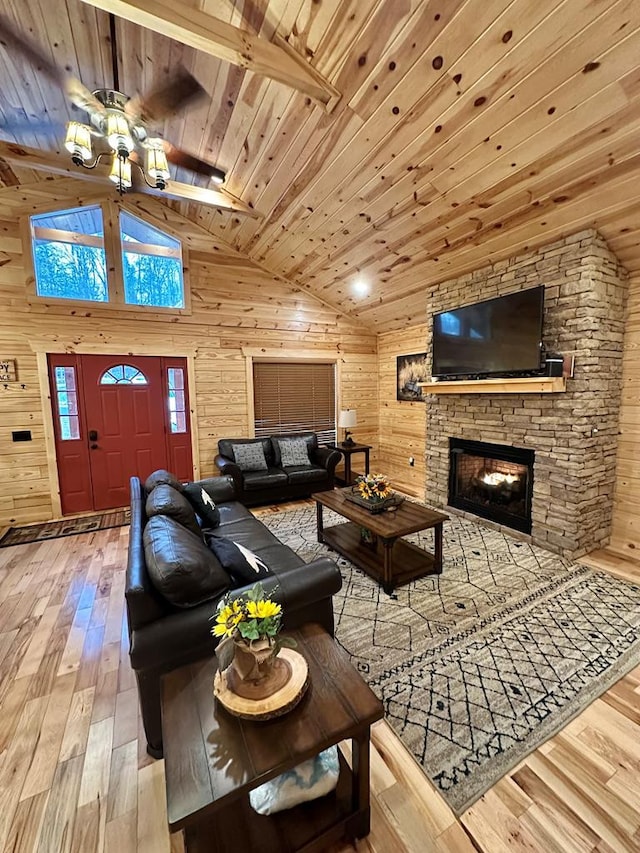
(625, 533)
(236, 306)
(402, 424)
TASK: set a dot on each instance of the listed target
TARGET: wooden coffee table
(389, 559)
(213, 760)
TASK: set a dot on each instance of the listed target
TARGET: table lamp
(347, 418)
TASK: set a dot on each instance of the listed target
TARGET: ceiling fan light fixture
(118, 134)
(157, 167)
(120, 173)
(78, 142)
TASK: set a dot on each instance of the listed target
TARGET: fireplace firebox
(493, 481)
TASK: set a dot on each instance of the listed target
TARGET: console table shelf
(529, 385)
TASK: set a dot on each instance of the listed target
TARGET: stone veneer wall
(574, 434)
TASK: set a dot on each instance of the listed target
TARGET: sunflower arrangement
(373, 487)
(248, 617)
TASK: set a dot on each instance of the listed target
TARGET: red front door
(116, 417)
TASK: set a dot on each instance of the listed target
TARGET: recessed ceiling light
(360, 287)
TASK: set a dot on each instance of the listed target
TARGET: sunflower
(263, 609)
(227, 619)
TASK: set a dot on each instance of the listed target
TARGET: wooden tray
(391, 502)
(280, 702)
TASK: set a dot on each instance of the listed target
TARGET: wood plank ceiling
(467, 131)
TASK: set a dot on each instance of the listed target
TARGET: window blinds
(295, 397)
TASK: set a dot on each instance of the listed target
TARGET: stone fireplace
(494, 481)
(573, 435)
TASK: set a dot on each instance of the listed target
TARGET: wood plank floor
(74, 775)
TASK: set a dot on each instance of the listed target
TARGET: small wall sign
(8, 372)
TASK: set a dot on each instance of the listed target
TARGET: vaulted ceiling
(466, 131)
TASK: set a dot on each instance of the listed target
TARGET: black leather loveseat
(259, 469)
(169, 624)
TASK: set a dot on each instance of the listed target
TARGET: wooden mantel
(529, 385)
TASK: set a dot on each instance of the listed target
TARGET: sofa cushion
(199, 496)
(242, 564)
(225, 447)
(310, 438)
(165, 500)
(161, 477)
(250, 457)
(307, 474)
(180, 565)
(269, 479)
(293, 452)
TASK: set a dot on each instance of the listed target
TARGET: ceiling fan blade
(194, 164)
(12, 39)
(25, 125)
(181, 89)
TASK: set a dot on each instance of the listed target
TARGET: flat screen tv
(501, 336)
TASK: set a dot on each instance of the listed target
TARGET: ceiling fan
(119, 127)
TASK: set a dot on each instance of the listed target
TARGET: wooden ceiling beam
(60, 164)
(196, 29)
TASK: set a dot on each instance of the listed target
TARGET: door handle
(93, 435)
(93, 446)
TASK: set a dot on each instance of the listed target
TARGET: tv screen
(497, 336)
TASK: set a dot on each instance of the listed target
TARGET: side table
(348, 450)
(213, 760)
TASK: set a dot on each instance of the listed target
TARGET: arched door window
(123, 374)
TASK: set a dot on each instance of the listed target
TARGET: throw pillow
(165, 500)
(161, 477)
(309, 780)
(242, 564)
(180, 565)
(250, 457)
(294, 451)
(203, 503)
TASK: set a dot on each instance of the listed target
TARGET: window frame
(253, 356)
(153, 250)
(113, 252)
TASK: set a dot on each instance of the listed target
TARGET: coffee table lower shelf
(311, 826)
(408, 562)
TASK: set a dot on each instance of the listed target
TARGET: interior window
(123, 374)
(151, 265)
(68, 254)
(177, 407)
(67, 402)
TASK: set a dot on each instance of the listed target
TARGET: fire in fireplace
(494, 481)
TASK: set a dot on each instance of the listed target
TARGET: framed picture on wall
(411, 369)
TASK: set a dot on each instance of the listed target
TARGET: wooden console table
(213, 760)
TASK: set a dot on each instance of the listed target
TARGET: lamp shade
(157, 166)
(347, 418)
(78, 140)
(120, 172)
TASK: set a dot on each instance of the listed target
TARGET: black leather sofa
(277, 483)
(163, 636)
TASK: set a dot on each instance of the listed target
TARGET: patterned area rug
(66, 527)
(479, 666)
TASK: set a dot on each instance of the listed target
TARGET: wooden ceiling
(466, 131)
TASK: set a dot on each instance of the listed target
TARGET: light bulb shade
(157, 166)
(78, 140)
(217, 177)
(117, 132)
(120, 172)
(347, 418)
